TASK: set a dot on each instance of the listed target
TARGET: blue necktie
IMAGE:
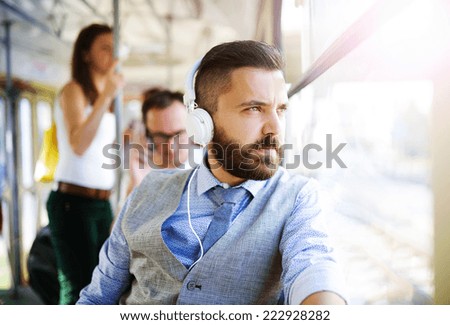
(224, 215)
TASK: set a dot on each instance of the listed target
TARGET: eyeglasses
(160, 138)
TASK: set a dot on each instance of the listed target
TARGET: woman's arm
(81, 129)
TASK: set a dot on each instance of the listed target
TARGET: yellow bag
(48, 157)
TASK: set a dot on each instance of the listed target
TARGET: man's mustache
(268, 142)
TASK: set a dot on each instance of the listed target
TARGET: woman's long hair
(80, 68)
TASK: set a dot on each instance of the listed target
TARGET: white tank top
(86, 170)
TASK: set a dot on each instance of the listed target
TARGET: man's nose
(272, 123)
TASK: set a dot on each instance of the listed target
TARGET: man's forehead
(169, 118)
(258, 82)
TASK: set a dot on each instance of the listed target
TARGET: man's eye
(254, 109)
(282, 110)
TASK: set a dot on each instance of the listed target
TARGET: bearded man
(238, 229)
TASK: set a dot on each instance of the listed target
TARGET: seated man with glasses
(166, 144)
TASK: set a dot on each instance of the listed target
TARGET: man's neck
(221, 174)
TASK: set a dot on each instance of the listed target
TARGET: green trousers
(79, 226)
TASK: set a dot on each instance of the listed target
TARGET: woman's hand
(114, 81)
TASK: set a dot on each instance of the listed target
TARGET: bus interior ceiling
(372, 87)
(159, 40)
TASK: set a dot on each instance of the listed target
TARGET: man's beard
(244, 161)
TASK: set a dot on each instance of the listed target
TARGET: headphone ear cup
(199, 125)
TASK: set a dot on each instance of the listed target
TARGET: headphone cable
(189, 219)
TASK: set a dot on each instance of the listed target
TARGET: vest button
(191, 285)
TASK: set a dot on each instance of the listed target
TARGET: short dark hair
(152, 91)
(80, 68)
(214, 73)
(157, 98)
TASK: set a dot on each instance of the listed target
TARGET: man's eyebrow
(253, 103)
(260, 103)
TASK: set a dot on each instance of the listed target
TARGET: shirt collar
(206, 180)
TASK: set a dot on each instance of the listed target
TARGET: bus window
(26, 165)
(44, 118)
(44, 121)
(362, 129)
(26, 143)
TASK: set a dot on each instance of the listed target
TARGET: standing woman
(79, 211)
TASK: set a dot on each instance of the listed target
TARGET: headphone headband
(189, 95)
(199, 124)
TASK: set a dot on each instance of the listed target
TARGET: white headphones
(199, 123)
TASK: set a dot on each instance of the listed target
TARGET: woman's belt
(87, 192)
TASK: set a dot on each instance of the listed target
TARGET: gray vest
(243, 267)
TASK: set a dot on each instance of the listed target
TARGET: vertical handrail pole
(11, 165)
(118, 102)
(440, 173)
(277, 37)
